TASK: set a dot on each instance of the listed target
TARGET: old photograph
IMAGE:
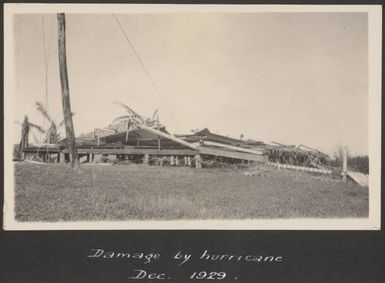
(192, 117)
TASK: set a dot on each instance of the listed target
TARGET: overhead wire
(51, 48)
(46, 63)
(45, 69)
(145, 70)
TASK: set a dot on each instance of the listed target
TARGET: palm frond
(37, 127)
(122, 118)
(129, 110)
(154, 115)
(43, 111)
(60, 124)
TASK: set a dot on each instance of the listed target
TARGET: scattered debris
(136, 139)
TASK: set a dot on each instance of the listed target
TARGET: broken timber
(170, 137)
(236, 153)
(236, 148)
(190, 150)
(232, 154)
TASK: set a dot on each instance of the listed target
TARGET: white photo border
(373, 222)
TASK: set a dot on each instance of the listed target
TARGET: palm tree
(134, 120)
(51, 133)
(26, 126)
(132, 117)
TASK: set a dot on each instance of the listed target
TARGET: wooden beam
(198, 161)
(139, 151)
(232, 154)
(344, 163)
(170, 137)
(300, 168)
(146, 159)
(237, 148)
(36, 150)
(24, 136)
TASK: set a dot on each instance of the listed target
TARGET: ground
(53, 192)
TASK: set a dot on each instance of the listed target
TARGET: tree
(133, 120)
(51, 134)
(71, 141)
(338, 155)
(358, 163)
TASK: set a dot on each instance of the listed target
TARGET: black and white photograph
(192, 117)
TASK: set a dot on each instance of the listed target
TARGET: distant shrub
(355, 163)
(359, 163)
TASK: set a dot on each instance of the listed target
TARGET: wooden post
(127, 128)
(344, 163)
(176, 160)
(198, 161)
(71, 141)
(146, 159)
(172, 160)
(24, 137)
(189, 160)
(97, 158)
(157, 122)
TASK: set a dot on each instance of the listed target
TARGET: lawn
(134, 192)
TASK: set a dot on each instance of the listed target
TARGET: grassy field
(128, 192)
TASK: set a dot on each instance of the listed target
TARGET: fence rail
(300, 168)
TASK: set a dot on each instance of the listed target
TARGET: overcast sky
(295, 78)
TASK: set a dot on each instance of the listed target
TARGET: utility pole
(344, 163)
(71, 141)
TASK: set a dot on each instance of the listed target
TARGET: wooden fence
(300, 168)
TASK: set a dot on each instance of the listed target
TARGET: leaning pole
(71, 141)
